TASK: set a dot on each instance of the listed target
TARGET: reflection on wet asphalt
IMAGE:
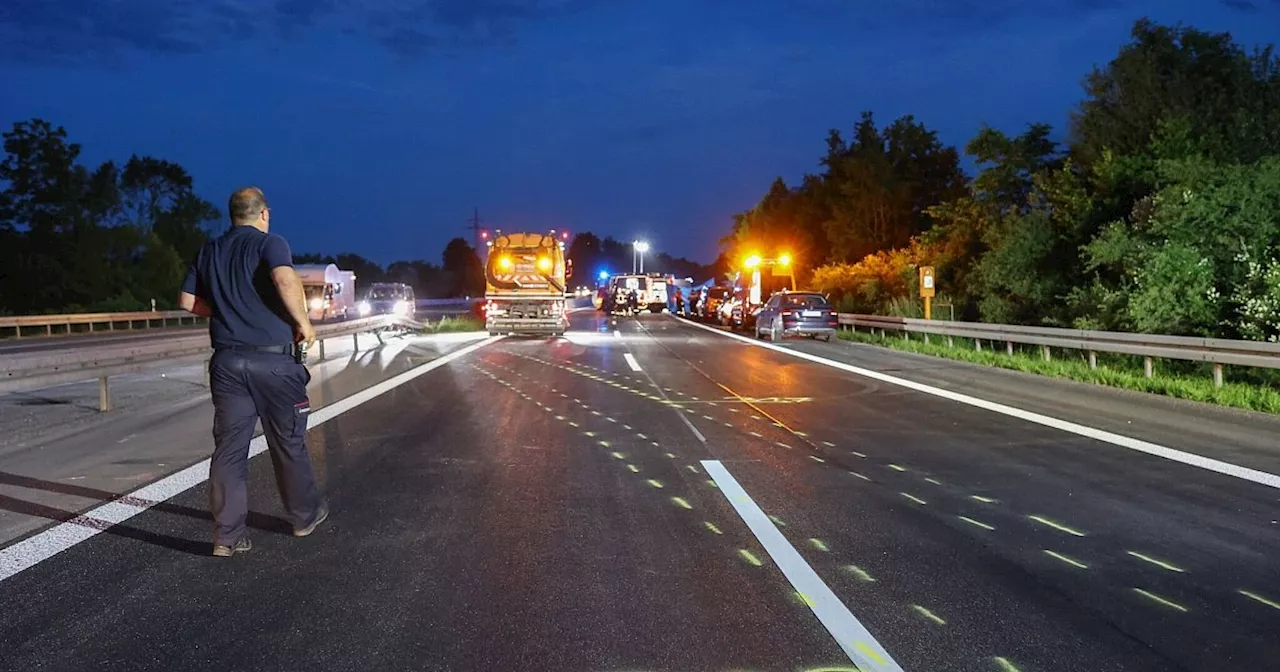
(586, 503)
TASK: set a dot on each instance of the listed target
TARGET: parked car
(797, 314)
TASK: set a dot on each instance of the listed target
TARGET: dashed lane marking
(1258, 598)
(1070, 561)
(1056, 525)
(1160, 600)
(1158, 563)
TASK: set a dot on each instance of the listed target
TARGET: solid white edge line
(1225, 468)
(631, 361)
(851, 636)
(44, 545)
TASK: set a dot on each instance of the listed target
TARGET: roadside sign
(926, 282)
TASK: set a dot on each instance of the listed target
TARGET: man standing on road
(244, 282)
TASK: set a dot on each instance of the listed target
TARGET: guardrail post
(1217, 375)
(355, 338)
(48, 330)
(1008, 347)
(926, 338)
(321, 342)
(951, 343)
(104, 395)
(1148, 367)
(1093, 359)
(1044, 351)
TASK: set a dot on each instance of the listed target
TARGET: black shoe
(321, 515)
(241, 546)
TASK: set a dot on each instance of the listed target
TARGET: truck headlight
(317, 304)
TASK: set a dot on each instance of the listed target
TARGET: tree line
(118, 237)
(1159, 211)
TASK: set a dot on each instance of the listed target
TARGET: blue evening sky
(376, 126)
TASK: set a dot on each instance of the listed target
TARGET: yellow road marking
(1056, 525)
(1069, 561)
(976, 522)
(1259, 598)
(928, 614)
(1159, 563)
(1156, 598)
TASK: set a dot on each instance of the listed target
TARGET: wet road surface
(586, 503)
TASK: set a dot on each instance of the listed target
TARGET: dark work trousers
(247, 385)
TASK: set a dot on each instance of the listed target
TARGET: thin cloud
(1240, 5)
(89, 31)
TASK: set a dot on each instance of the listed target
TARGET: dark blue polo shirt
(232, 273)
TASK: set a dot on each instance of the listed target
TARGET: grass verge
(1177, 379)
(453, 325)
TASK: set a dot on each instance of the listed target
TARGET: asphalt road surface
(656, 496)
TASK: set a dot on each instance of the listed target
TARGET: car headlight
(317, 303)
(401, 307)
(365, 308)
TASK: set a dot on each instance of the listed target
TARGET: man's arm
(187, 298)
(277, 256)
(290, 288)
(194, 305)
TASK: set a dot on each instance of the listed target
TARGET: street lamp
(638, 248)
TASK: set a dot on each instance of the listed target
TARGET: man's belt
(278, 349)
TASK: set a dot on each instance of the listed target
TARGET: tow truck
(764, 278)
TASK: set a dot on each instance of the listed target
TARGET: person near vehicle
(245, 283)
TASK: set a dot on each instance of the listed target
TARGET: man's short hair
(245, 204)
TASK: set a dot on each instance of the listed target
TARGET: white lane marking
(849, 633)
(631, 362)
(1225, 468)
(617, 334)
(44, 545)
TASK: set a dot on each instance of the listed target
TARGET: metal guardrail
(1218, 351)
(49, 324)
(79, 362)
